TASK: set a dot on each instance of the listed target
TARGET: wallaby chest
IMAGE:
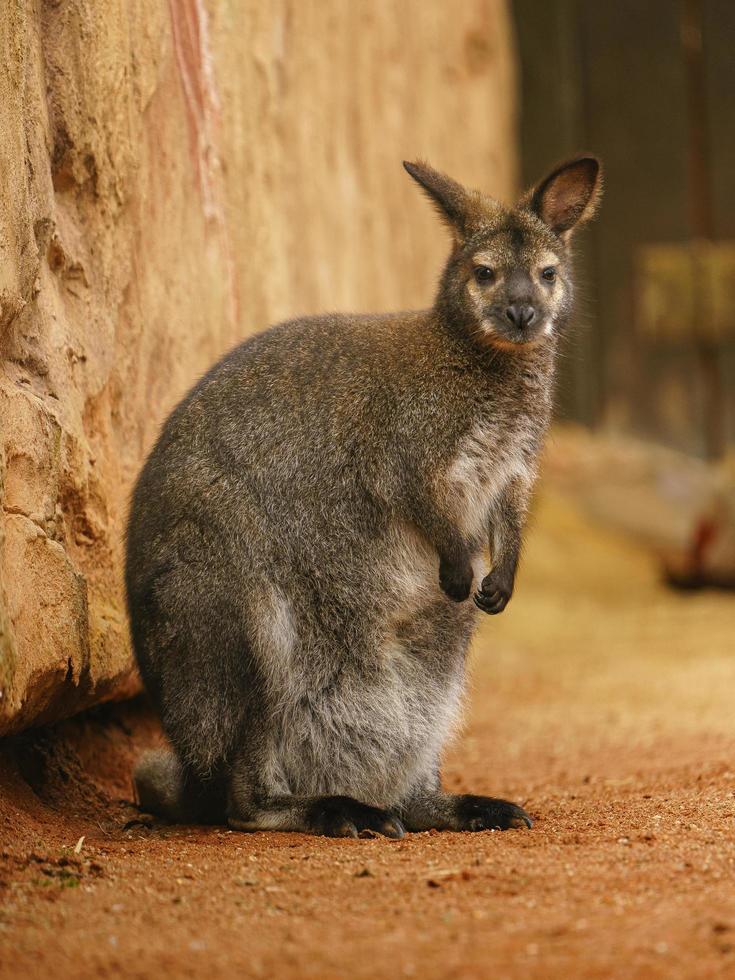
(500, 444)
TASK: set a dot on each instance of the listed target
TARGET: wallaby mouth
(502, 335)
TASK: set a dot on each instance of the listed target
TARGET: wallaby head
(508, 281)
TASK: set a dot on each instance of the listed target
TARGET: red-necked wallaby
(307, 533)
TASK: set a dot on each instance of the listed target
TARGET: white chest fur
(486, 462)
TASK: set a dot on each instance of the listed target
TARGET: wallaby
(305, 535)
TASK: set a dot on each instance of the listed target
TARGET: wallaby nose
(521, 316)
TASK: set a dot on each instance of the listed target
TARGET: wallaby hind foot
(326, 816)
(448, 811)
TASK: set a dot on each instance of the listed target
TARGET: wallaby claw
(486, 813)
(492, 596)
(341, 816)
(493, 604)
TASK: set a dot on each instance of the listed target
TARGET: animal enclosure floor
(601, 701)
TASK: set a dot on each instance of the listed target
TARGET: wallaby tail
(168, 789)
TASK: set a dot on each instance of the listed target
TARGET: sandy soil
(600, 700)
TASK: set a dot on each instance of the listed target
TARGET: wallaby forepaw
(486, 813)
(494, 595)
(456, 581)
(341, 816)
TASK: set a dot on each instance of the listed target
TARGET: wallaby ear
(569, 195)
(450, 199)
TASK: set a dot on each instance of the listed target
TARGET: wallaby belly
(362, 709)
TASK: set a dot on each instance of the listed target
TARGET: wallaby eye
(549, 273)
(484, 274)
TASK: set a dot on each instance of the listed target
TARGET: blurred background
(651, 88)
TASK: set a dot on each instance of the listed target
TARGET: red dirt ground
(600, 700)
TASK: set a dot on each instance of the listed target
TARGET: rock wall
(173, 176)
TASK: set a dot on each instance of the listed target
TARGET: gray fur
(305, 535)
(159, 783)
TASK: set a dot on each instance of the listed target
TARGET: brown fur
(306, 534)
